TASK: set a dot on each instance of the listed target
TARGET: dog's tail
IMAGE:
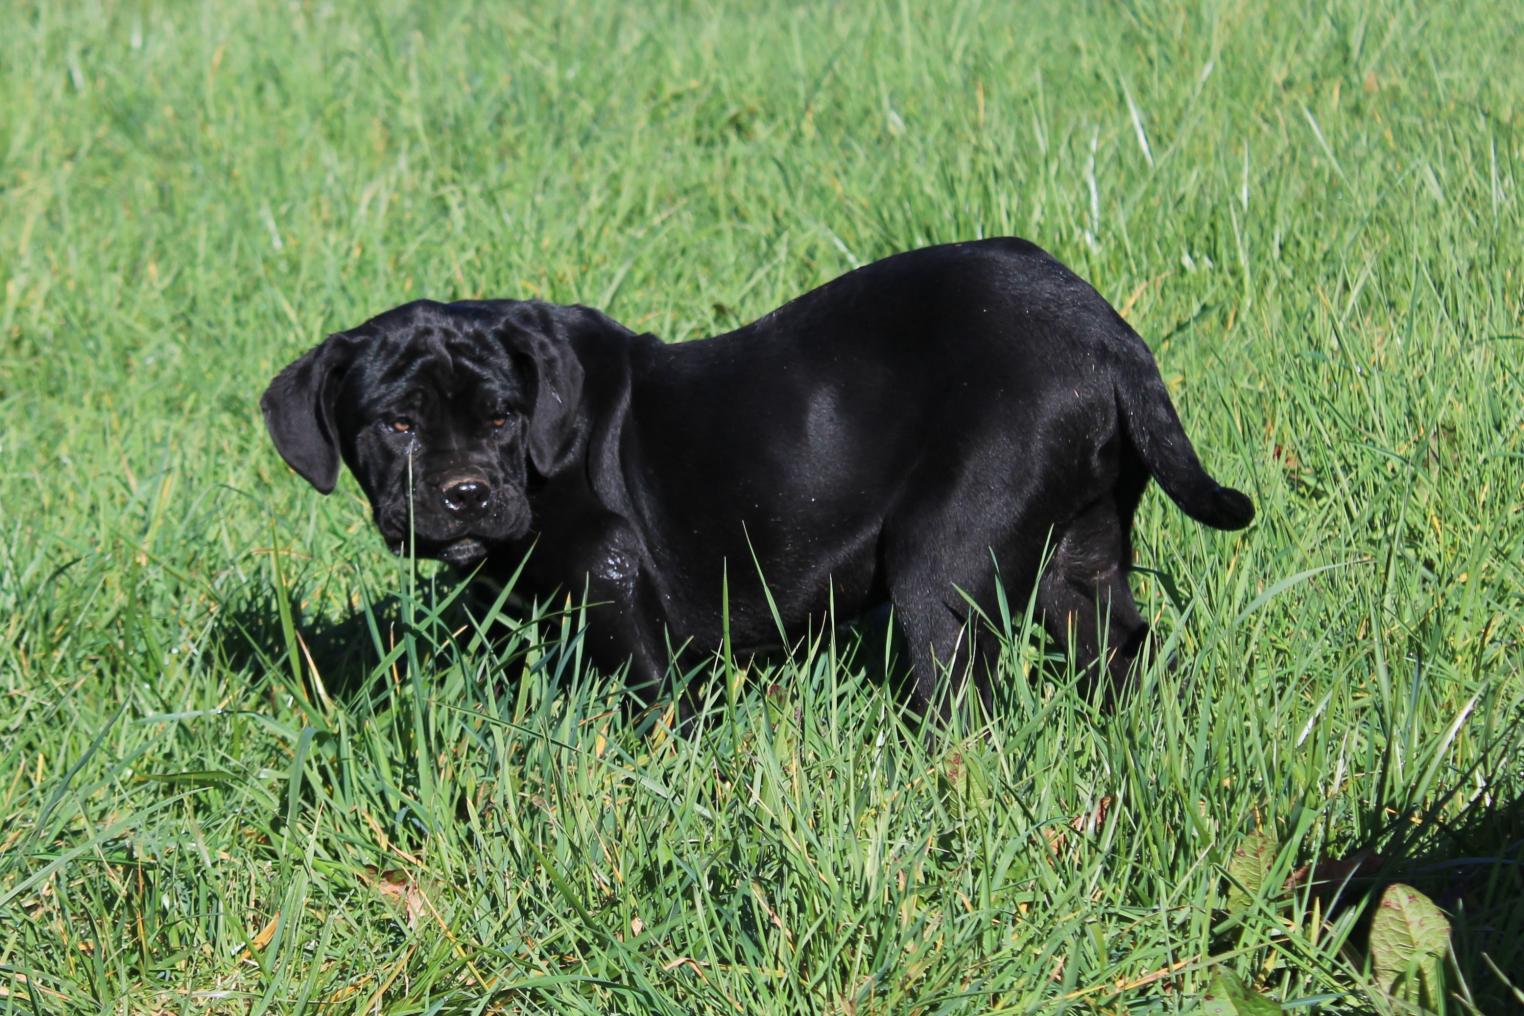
(1149, 420)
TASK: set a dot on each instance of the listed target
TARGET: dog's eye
(498, 422)
(402, 425)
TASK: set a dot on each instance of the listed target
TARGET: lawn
(249, 762)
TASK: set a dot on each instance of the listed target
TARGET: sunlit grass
(252, 763)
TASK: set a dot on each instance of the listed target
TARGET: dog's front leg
(624, 622)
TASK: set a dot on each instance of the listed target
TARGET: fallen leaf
(1155, 975)
(1328, 877)
(688, 961)
(1087, 823)
(398, 887)
(1090, 822)
(261, 937)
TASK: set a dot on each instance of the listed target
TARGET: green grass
(252, 764)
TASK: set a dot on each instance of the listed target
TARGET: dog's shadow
(258, 636)
(250, 636)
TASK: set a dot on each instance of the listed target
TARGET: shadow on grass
(249, 637)
(323, 675)
(1472, 867)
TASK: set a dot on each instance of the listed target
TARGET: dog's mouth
(461, 546)
(465, 553)
(462, 552)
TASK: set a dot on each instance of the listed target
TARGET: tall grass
(253, 764)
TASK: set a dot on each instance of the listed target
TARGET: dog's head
(444, 413)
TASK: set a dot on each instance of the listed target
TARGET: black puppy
(910, 434)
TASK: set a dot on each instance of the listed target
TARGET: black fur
(890, 437)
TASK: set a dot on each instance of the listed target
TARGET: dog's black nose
(467, 496)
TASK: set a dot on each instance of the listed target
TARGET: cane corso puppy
(909, 434)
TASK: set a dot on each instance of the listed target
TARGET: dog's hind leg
(938, 639)
(1085, 601)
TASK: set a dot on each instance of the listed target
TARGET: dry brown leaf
(397, 886)
(1152, 976)
(1087, 824)
(772, 915)
(261, 937)
(689, 961)
(1328, 876)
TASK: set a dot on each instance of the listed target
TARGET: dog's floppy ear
(540, 335)
(298, 410)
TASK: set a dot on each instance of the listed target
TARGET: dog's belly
(770, 580)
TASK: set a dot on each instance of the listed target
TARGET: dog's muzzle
(466, 497)
(457, 519)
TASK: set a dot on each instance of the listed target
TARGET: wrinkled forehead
(431, 357)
